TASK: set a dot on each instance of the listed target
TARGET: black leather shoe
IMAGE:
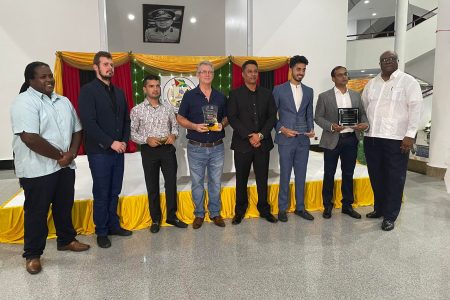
(103, 241)
(270, 218)
(121, 232)
(237, 219)
(387, 225)
(304, 214)
(373, 215)
(351, 212)
(282, 216)
(327, 212)
(177, 223)
(154, 228)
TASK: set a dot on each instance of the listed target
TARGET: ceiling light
(131, 17)
(193, 20)
(363, 71)
(374, 14)
(366, 2)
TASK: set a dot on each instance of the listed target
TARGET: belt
(209, 145)
(346, 134)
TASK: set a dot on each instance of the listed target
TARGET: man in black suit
(106, 121)
(252, 115)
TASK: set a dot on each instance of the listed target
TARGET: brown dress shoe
(218, 221)
(33, 265)
(198, 222)
(75, 246)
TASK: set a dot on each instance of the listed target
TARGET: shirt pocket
(397, 94)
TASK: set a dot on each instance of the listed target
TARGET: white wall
(236, 27)
(365, 54)
(206, 37)
(294, 27)
(35, 30)
(421, 39)
(425, 4)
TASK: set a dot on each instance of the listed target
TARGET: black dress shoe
(387, 225)
(304, 214)
(237, 219)
(154, 228)
(270, 218)
(103, 241)
(177, 223)
(351, 212)
(120, 231)
(373, 215)
(327, 212)
(282, 216)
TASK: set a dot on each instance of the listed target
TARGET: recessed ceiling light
(363, 71)
(131, 17)
(374, 14)
(193, 20)
(366, 2)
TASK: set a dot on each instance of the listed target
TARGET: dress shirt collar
(53, 97)
(148, 104)
(393, 75)
(338, 91)
(109, 87)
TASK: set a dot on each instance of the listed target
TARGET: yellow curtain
(357, 84)
(178, 64)
(80, 60)
(264, 63)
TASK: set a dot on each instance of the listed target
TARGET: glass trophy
(348, 116)
(300, 126)
(210, 117)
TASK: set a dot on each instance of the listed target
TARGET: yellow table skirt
(134, 213)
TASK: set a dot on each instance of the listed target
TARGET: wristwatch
(260, 135)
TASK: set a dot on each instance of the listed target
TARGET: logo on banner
(174, 89)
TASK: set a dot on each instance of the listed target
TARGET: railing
(410, 25)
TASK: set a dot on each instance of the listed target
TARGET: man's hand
(407, 144)
(289, 132)
(337, 128)
(200, 127)
(119, 147)
(360, 126)
(310, 134)
(254, 140)
(153, 142)
(171, 139)
(65, 160)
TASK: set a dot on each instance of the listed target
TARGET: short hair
(249, 62)
(389, 51)
(297, 59)
(29, 74)
(333, 72)
(205, 63)
(101, 54)
(151, 77)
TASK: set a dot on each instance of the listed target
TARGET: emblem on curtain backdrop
(174, 88)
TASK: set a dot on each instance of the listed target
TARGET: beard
(106, 76)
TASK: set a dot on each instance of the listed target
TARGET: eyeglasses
(388, 60)
(204, 72)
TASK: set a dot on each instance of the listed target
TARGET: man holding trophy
(340, 113)
(203, 113)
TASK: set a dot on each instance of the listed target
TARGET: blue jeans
(107, 176)
(201, 159)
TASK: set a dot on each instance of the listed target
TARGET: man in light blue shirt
(47, 135)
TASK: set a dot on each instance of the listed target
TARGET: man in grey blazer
(294, 128)
(339, 141)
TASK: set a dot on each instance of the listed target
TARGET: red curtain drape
(280, 75)
(121, 79)
(236, 77)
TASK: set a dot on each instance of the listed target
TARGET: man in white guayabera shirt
(393, 103)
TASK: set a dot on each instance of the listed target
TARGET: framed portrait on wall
(162, 23)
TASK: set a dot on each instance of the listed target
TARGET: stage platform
(133, 203)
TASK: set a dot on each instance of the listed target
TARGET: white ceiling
(362, 11)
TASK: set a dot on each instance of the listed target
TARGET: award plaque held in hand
(210, 117)
(300, 126)
(348, 116)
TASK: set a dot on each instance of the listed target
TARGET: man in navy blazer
(106, 121)
(294, 128)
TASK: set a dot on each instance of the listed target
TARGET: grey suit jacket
(327, 113)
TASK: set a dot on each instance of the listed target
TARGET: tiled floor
(340, 258)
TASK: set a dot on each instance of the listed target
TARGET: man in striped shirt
(154, 127)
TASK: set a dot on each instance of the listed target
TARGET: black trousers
(153, 160)
(387, 167)
(347, 151)
(56, 189)
(242, 163)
